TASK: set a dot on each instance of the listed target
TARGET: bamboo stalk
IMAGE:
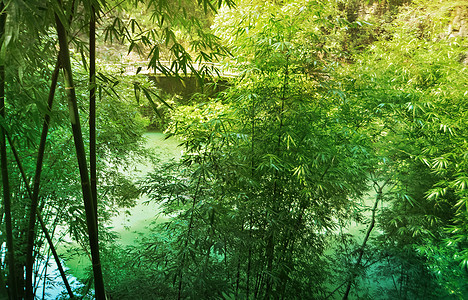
(270, 247)
(12, 287)
(81, 158)
(189, 232)
(43, 227)
(37, 179)
(92, 107)
(366, 238)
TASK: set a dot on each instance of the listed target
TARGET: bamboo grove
(333, 165)
(46, 29)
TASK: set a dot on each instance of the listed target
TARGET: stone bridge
(184, 86)
(141, 67)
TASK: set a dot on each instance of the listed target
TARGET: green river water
(131, 222)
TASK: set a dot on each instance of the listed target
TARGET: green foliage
(412, 87)
(330, 95)
(170, 30)
(276, 165)
(267, 169)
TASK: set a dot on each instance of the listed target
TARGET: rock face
(458, 27)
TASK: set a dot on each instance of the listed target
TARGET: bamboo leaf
(162, 100)
(152, 104)
(136, 90)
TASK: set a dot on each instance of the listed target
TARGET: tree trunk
(81, 157)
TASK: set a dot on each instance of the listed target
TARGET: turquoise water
(128, 225)
(130, 222)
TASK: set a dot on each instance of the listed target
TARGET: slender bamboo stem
(270, 247)
(35, 194)
(12, 287)
(249, 216)
(37, 179)
(378, 198)
(3, 285)
(42, 223)
(92, 107)
(81, 157)
(236, 295)
(189, 232)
